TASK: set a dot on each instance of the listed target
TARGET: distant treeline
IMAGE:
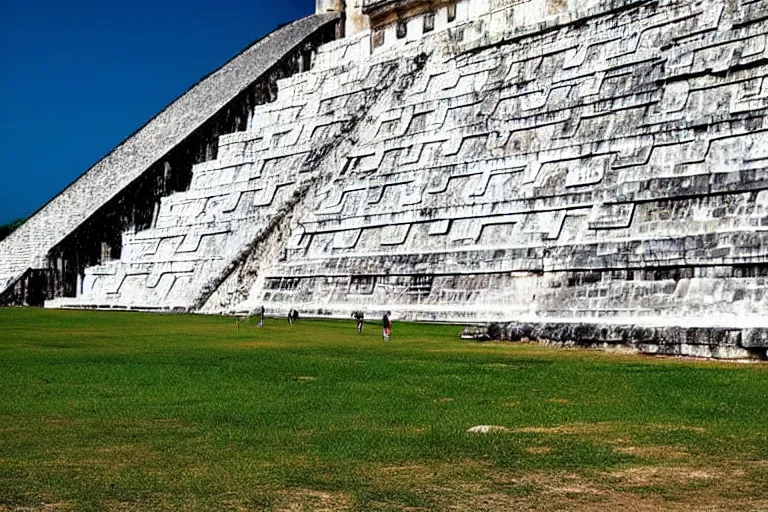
(9, 228)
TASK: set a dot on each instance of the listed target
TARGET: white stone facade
(605, 163)
(28, 247)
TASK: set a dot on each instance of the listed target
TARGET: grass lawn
(103, 411)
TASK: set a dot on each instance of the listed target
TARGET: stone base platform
(708, 342)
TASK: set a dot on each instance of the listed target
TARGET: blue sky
(78, 76)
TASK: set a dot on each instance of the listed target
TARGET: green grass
(105, 411)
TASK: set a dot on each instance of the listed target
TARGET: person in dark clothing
(295, 315)
(359, 316)
(386, 326)
(261, 316)
(290, 316)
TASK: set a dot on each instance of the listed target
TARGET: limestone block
(755, 338)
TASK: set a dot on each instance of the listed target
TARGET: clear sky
(78, 76)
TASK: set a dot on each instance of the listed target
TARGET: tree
(9, 228)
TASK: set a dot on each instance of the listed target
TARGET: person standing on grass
(386, 326)
(290, 316)
(295, 315)
(261, 316)
(359, 316)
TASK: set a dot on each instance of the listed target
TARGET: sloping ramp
(29, 245)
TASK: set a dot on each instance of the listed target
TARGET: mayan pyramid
(593, 166)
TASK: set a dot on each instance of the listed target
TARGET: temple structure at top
(589, 171)
(397, 22)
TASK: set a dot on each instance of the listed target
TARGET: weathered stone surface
(755, 338)
(30, 245)
(575, 166)
(721, 343)
(605, 163)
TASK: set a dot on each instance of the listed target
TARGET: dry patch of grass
(538, 450)
(299, 500)
(636, 488)
(469, 485)
(61, 506)
(650, 475)
(602, 428)
(681, 428)
(654, 452)
(572, 429)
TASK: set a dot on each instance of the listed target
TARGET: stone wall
(83, 226)
(709, 342)
(605, 166)
(236, 202)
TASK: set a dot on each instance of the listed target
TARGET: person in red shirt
(386, 326)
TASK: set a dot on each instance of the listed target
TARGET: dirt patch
(651, 475)
(638, 489)
(538, 450)
(574, 429)
(671, 428)
(654, 452)
(120, 506)
(43, 507)
(308, 499)
(560, 482)
(601, 428)
(470, 485)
